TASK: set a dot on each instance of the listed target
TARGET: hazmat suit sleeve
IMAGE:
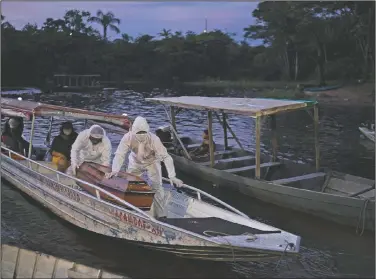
(76, 147)
(120, 153)
(162, 155)
(106, 153)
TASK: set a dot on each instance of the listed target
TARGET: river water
(328, 250)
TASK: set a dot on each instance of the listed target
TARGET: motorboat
(196, 225)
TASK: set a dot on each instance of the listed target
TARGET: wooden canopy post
(173, 124)
(225, 130)
(210, 131)
(273, 126)
(317, 144)
(258, 153)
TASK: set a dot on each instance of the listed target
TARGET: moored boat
(331, 195)
(22, 263)
(192, 228)
(368, 132)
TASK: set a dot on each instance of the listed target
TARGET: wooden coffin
(130, 188)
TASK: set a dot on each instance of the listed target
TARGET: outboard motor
(164, 134)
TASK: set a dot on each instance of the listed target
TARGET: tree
(107, 20)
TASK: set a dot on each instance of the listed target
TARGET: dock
(22, 263)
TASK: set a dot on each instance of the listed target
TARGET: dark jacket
(63, 145)
(13, 138)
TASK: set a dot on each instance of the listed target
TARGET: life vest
(60, 161)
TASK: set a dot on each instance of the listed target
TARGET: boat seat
(188, 146)
(229, 160)
(299, 178)
(264, 165)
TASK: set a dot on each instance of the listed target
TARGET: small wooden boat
(334, 196)
(368, 133)
(127, 187)
(21, 263)
(317, 90)
(192, 228)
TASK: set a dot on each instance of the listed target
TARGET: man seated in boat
(203, 150)
(147, 153)
(62, 145)
(12, 137)
(91, 145)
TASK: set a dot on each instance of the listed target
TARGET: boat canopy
(246, 106)
(26, 109)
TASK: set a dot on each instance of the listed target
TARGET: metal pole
(31, 136)
(317, 144)
(210, 131)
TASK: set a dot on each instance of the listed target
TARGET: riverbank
(352, 94)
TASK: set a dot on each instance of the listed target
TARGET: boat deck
(212, 226)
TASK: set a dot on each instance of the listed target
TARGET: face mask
(67, 132)
(141, 137)
(95, 141)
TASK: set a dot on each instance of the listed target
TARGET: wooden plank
(317, 144)
(258, 151)
(229, 160)
(299, 178)
(269, 164)
(273, 124)
(344, 188)
(210, 131)
(224, 125)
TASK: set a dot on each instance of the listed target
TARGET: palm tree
(107, 20)
(165, 33)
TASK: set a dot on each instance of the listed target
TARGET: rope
(362, 218)
(283, 254)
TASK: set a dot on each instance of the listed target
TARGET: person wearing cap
(61, 146)
(147, 153)
(12, 137)
(91, 145)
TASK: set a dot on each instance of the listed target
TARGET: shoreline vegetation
(330, 42)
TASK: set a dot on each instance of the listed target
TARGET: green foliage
(324, 40)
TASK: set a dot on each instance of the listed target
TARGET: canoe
(338, 197)
(193, 225)
(369, 134)
(315, 90)
(127, 187)
(22, 263)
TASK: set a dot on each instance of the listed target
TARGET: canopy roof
(26, 109)
(245, 106)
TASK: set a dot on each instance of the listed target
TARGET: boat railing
(60, 174)
(199, 192)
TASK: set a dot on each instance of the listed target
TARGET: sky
(141, 17)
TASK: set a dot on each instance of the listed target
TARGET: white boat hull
(369, 134)
(93, 214)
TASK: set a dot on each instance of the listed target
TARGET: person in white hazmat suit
(91, 145)
(147, 152)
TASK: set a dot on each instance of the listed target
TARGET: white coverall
(83, 150)
(147, 151)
